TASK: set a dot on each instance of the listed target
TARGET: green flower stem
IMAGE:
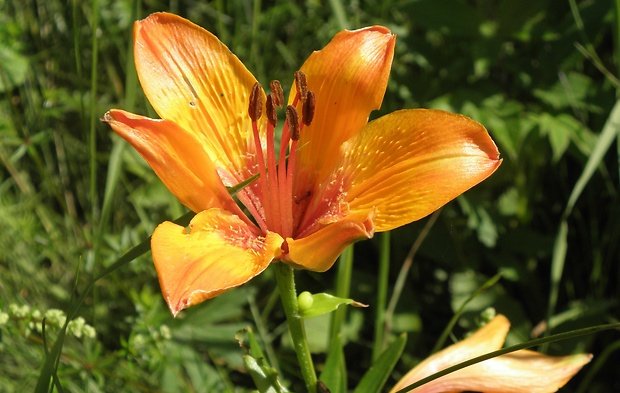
(343, 290)
(382, 290)
(288, 295)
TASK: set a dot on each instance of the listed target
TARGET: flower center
(276, 173)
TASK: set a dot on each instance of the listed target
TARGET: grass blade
(609, 133)
(377, 375)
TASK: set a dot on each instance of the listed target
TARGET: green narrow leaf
(94, 117)
(334, 374)
(263, 376)
(339, 13)
(239, 186)
(343, 287)
(115, 162)
(255, 349)
(382, 291)
(610, 131)
(111, 180)
(608, 135)
(379, 372)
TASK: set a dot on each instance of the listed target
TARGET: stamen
(276, 181)
(302, 86)
(276, 90)
(292, 119)
(255, 108)
(294, 130)
(308, 107)
(272, 116)
(272, 177)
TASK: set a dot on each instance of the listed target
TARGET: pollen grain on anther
(255, 107)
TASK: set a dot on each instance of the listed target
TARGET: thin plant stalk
(446, 332)
(263, 334)
(404, 272)
(382, 289)
(343, 288)
(339, 13)
(94, 117)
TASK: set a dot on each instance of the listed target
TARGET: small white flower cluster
(18, 311)
(79, 328)
(33, 320)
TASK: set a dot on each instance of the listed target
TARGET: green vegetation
(542, 76)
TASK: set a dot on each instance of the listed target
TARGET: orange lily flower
(516, 372)
(337, 178)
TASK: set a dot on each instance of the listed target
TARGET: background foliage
(541, 75)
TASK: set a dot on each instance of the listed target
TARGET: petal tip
(174, 309)
(178, 304)
(107, 118)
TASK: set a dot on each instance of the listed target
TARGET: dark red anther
(255, 108)
(292, 118)
(270, 109)
(276, 90)
(302, 86)
(308, 107)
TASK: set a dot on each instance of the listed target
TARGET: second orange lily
(337, 178)
(522, 371)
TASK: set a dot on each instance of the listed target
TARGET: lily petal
(409, 163)
(487, 339)
(319, 251)
(194, 80)
(217, 251)
(517, 372)
(177, 158)
(349, 77)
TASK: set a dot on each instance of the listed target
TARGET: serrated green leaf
(377, 375)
